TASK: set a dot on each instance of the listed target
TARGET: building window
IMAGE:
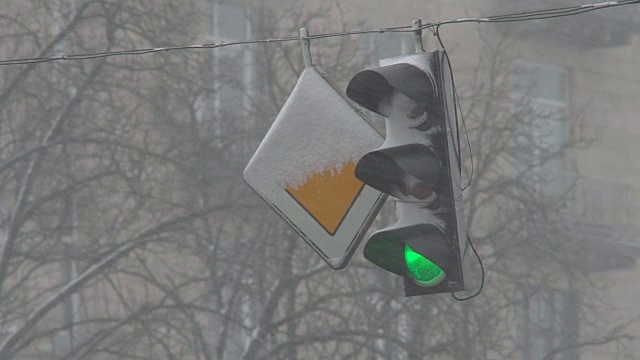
(540, 103)
(605, 202)
(228, 22)
(231, 74)
(548, 325)
(544, 83)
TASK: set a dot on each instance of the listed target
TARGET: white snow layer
(316, 130)
(420, 60)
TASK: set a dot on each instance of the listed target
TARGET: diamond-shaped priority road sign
(304, 168)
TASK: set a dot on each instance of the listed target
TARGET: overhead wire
(481, 279)
(87, 56)
(536, 14)
(564, 11)
(520, 16)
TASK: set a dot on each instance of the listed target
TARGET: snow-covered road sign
(304, 168)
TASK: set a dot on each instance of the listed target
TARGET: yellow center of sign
(328, 196)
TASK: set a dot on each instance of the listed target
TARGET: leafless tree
(127, 231)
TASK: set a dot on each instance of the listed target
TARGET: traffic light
(418, 165)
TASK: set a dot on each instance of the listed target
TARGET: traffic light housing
(419, 166)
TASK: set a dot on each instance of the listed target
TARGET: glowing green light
(422, 270)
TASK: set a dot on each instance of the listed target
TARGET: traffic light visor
(391, 170)
(388, 250)
(369, 87)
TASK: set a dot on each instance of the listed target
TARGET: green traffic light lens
(422, 270)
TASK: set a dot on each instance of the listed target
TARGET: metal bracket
(417, 31)
(306, 46)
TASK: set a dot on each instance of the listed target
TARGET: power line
(521, 16)
(192, 47)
